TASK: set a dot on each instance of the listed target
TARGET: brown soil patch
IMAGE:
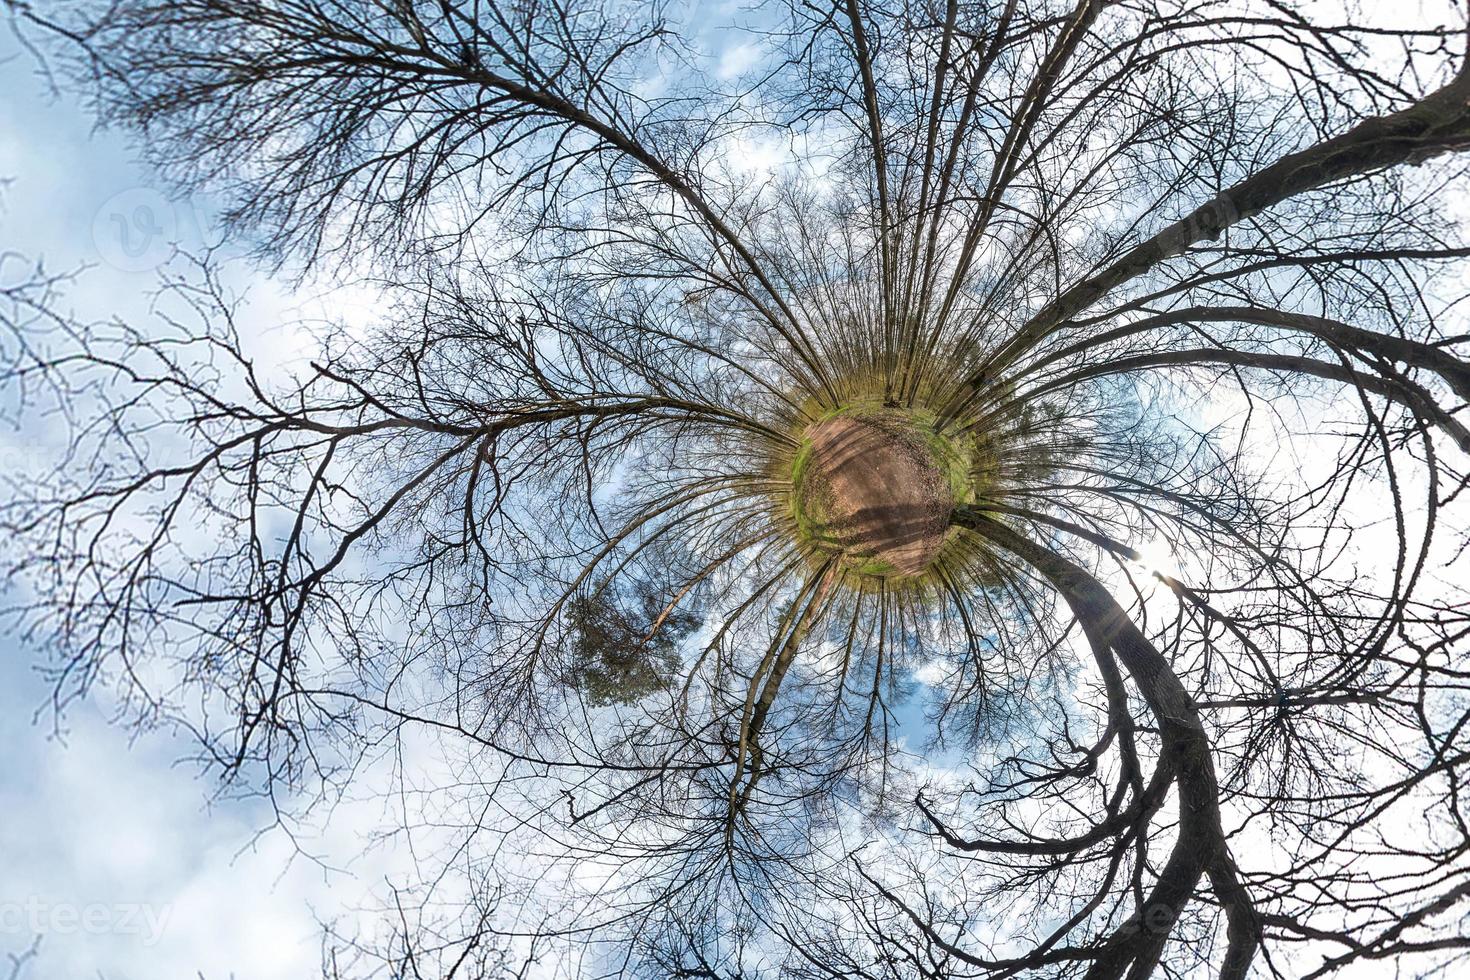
(885, 497)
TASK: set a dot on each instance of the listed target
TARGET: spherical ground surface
(873, 490)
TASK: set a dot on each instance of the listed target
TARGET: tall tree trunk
(1439, 123)
(1201, 846)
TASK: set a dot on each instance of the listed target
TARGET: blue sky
(125, 863)
(115, 853)
(111, 848)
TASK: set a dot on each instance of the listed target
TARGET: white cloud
(115, 860)
(737, 59)
(931, 674)
(113, 854)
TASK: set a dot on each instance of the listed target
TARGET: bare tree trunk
(1201, 846)
(1439, 123)
(1343, 336)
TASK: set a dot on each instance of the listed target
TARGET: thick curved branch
(1454, 371)
(1396, 389)
(1437, 124)
(1201, 846)
(1137, 811)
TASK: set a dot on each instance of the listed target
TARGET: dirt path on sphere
(888, 500)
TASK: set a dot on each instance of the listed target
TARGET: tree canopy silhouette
(975, 493)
